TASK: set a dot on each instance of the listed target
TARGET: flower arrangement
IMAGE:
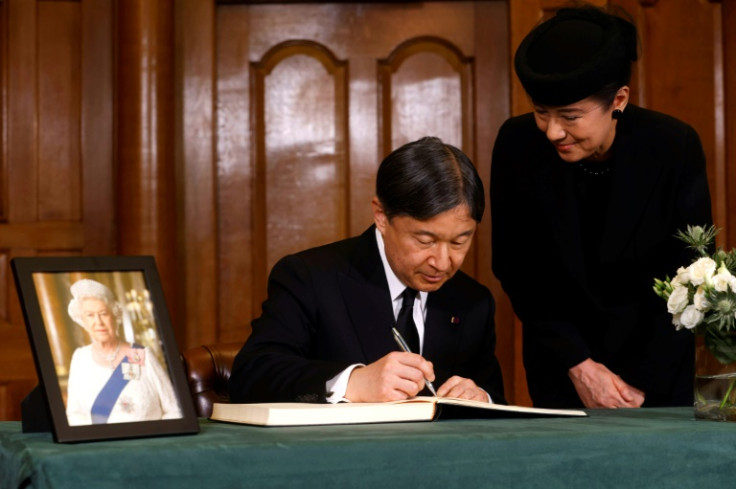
(702, 298)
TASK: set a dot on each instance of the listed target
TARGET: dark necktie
(405, 320)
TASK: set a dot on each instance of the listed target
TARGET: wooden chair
(208, 369)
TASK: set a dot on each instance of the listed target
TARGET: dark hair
(607, 94)
(582, 51)
(427, 177)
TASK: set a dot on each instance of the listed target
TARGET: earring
(617, 113)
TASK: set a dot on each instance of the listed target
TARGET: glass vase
(715, 384)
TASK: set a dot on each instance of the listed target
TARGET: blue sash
(109, 393)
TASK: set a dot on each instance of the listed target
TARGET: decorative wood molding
(267, 213)
(461, 64)
(47, 236)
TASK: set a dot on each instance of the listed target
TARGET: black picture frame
(43, 285)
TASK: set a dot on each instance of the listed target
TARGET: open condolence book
(415, 409)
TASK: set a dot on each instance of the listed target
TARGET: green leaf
(698, 238)
(730, 261)
(721, 344)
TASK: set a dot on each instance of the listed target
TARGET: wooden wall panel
(97, 136)
(3, 106)
(196, 218)
(59, 94)
(685, 93)
(10, 394)
(57, 152)
(728, 106)
(684, 71)
(426, 86)
(146, 209)
(492, 97)
(22, 107)
(300, 115)
(234, 177)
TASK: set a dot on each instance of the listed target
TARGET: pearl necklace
(586, 168)
(110, 357)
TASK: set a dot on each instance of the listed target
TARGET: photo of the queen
(111, 379)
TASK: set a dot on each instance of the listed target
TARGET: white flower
(723, 279)
(678, 300)
(701, 271)
(691, 317)
(683, 276)
(699, 300)
(676, 321)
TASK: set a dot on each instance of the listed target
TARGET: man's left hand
(462, 388)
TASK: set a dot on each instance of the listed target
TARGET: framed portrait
(105, 353)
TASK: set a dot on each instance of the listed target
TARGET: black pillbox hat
(575, 54)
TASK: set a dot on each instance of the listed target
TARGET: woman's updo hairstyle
(575, 54)
(91, 289)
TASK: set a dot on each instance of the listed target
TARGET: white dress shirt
(338, 385)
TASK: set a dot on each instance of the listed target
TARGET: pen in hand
(402, 344)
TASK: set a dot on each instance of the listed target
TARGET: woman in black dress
(587, 192)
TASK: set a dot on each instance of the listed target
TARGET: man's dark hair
(427, 177)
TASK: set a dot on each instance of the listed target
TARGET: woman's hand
(598, 387)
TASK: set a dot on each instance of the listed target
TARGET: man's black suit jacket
(658, 186)
(329, 307)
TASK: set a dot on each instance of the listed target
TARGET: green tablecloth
(645, 448)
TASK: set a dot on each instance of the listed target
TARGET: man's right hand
(394, 377)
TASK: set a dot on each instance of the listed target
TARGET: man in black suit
(325, 331)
